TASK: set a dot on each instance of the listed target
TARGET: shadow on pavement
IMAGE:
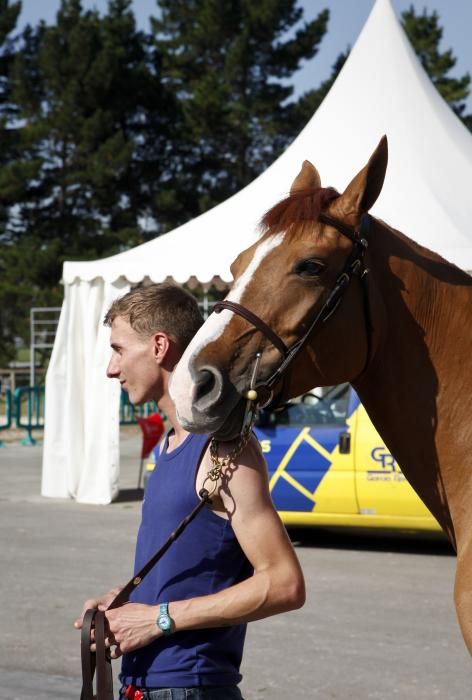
(373, 541)
(129, 496)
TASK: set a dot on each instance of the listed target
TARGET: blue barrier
(6, 411)
(129, 412)
(33, 398)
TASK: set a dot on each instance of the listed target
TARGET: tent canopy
(382, 89)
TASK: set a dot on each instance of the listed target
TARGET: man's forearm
(260, 596)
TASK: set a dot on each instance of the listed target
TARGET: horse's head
(282, 284)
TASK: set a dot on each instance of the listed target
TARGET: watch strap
(164, 620)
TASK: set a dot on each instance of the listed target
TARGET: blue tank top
(205, 559)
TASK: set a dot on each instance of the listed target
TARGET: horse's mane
(300, 207)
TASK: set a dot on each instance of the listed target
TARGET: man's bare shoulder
(247, 456)
(243, 480)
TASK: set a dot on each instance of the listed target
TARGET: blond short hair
(159, 307)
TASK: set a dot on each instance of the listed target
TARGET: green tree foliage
(425, 34)
(83, 97)
(79, 86)
(228, 61)
(9, 13)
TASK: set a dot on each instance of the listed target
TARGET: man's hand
(131, 627)
(101, 603)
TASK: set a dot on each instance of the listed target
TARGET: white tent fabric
(382, 89)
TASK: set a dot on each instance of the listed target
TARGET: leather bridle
(354, 266)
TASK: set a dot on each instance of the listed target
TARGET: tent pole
(140, 472)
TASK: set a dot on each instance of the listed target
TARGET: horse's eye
(309, 268)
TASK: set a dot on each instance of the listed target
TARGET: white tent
(382, 89)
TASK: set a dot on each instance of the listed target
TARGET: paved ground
(378, 624)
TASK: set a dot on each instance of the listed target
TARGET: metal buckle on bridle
(344, 278)
(355, 266)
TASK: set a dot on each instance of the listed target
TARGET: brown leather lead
(98, 660)
(103, 660)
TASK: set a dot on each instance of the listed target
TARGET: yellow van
(328, 466)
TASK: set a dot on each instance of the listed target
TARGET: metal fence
(6, 412)
(43, 328)
(24, 410)
(29, 411)
(129, 412)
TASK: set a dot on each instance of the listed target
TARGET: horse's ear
(362, 192)
(307, 178)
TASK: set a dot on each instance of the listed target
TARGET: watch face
(164, 622)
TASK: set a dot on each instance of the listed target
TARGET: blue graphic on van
(302, 444)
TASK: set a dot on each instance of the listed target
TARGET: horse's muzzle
(216, 407)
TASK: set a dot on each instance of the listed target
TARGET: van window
(321, 406)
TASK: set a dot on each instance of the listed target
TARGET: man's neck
(166, 405)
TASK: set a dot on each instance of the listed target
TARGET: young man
(182, 634)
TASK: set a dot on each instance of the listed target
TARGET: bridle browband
(354, 266)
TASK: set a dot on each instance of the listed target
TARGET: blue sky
(347, 20)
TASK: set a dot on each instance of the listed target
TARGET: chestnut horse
(401, 335)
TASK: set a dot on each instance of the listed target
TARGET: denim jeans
(200, 693)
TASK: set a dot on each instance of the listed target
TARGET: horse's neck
(413, 386)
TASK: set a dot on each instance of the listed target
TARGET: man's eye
(309, 268)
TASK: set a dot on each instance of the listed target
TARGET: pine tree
(87, 96)
(228, 62)
(84, 98)
(9, 13)
(67, 133)
(8, 19)
(425, 34)
(138, 115)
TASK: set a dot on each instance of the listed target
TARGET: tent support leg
(140, 472)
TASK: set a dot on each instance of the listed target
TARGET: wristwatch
(164, 620)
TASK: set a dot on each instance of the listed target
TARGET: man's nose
(112, 369)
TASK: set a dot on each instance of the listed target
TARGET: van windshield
(320, 406)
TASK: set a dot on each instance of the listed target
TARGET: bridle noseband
(354, 266)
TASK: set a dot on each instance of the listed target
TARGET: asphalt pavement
(379, 621)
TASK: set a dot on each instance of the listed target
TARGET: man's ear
(307, 178)
(161, 345)
(362, 192)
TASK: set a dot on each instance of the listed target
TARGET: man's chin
(134, 399)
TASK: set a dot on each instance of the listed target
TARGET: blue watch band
(164, 620)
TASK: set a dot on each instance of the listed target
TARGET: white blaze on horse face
(181, 385)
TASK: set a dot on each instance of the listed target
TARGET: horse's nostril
(204, 384)
(208, 388)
